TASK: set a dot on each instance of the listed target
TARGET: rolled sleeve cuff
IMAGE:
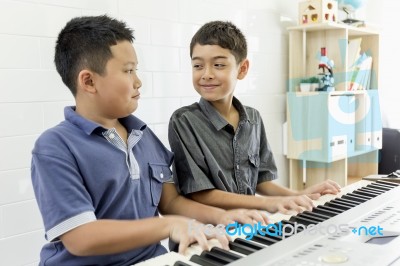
(266, 177)
(193, 188)
(67, 225)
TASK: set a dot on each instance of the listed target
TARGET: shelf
(361, 152)
(332, 134)
(306, 41)
(352, 31)
(332, 93)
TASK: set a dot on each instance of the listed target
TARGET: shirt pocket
(159, 173)
(254, 160)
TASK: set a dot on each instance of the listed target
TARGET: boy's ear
(85, 81)
(243, 69)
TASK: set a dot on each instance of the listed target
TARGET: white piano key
(172, 257)
(167, 259)
(308, 249)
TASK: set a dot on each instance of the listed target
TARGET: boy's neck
(105, 122)
(93, 116)
(228, 111)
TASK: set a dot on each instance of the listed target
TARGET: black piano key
(354, 203)
(248, 243)
(287, 229)
(354, 197)
(345, 202)
(215, 257)
(265, 240)
(389, 183)
(337, 205)
(322, 211)
(302, 220)
(358, 196)
(315, 218)
(225, 253)
(380, 186)
(363, 194)
(369, 192)
(342, 202)
(272, 233)
(204, 261)
(320, 215)
(386, 183)
(241, 248)
(377, 188)
(180, 263)
(326, 210)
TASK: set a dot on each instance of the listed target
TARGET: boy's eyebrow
(214, 58)
(131, 63)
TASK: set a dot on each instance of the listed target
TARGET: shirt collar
(130, 122)
(215, 117)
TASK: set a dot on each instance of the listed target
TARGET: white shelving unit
(334, 134)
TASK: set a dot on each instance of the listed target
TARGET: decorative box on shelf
(317, 11)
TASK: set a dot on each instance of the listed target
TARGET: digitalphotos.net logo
(281, 230)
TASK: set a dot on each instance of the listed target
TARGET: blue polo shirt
(80, 176)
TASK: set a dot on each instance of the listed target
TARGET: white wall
(32, 95)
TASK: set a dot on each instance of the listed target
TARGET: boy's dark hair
(224, 34)
(85, 42)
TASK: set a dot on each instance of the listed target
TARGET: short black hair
(85, 42)
(224, 34)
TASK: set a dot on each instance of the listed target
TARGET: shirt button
(161, 175)
(237, 166)
(112, 135)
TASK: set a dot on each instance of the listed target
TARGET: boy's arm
(103, 237)
(228, 200)
(173, 203)
(270, 188)
(273, 189)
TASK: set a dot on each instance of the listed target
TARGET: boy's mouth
(208, 86)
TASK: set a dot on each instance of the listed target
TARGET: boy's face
(118, 89)
(215, 72)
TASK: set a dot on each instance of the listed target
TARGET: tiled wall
(32, 95)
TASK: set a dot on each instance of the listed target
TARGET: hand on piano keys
(326, 206)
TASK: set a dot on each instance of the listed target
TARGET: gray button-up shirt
(209, 154)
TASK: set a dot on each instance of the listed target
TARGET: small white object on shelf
(317, 11)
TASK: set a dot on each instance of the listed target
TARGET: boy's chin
(131, 109)
(212, 98)
(134, 109)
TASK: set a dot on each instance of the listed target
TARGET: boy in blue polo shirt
(101, 176)
(222, 156)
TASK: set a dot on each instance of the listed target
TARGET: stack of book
(359, 66)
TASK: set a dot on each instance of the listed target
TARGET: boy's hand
(326, 187)
(244, 216)
(288, 204)
(187, 231)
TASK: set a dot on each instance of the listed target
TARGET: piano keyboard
(364, 203)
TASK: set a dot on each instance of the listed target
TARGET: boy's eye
(196, 66)
(130, 71)
(219, 65)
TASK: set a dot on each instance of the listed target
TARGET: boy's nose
(208, 74)
(137, 84)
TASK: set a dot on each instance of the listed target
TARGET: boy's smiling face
(118, 88)
(215, 72)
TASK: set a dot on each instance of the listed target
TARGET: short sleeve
(60, 191)
(190, 170)
(267, 169)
